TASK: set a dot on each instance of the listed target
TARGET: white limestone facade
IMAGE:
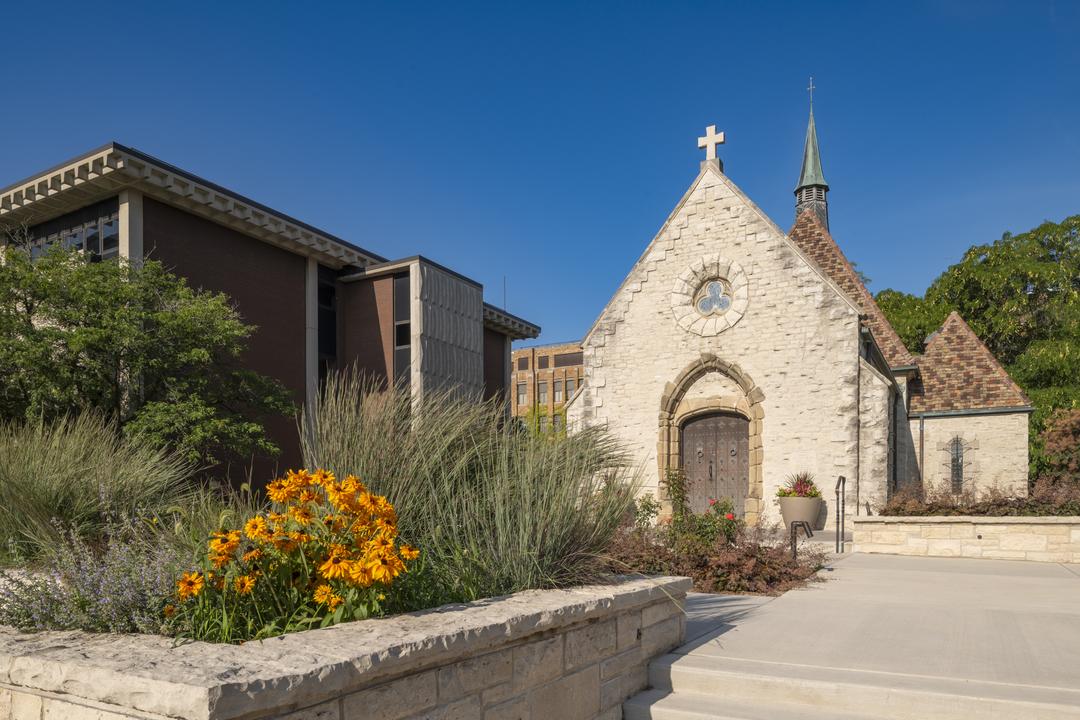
(785, 355)
(871, 491)
(994, 447)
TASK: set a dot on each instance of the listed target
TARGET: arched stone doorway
(747, 402)
(715, 459)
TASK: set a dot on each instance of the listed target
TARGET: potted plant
(799, 499)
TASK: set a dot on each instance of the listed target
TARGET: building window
(543, 423)
(327, 319)
(714, 298)
(557, 422)
(523, 363)
(569, 388)
(542, 362)
(520, 394)
(557, 388)
(569, 359)
(94, 230)
(541, 393)
(402, 329)
(956, 464)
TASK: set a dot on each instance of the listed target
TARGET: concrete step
(664, 705)
(894, 696)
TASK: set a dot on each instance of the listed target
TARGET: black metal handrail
(795, 525)
(841, 511)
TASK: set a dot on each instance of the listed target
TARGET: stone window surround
(688, 286)
(676, 410)
(971, 462)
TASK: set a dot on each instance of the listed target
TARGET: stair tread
(664, 705)
(728, 667)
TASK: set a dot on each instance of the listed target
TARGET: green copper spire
(811, 162)
(810, 194)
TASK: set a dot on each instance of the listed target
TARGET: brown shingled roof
(958, 372)
(814, 240)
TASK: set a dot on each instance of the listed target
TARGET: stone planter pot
(800, 508)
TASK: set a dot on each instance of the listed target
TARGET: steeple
(812, 188)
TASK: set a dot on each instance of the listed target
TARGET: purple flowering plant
(121, 585)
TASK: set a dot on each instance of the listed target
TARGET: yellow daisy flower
(190, 585)
(244, 585)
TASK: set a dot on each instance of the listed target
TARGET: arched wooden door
(715, 454)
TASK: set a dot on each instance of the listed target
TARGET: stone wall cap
(977, 519)
(204, 681)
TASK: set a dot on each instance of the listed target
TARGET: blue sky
(547, 143)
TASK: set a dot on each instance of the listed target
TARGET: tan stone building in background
(740, 353)
(543, 379)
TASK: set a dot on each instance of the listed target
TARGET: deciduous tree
(135, 343)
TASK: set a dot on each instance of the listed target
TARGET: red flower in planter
(712, 501)
(729, 516)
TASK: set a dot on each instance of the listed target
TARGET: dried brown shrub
(1046, 499)
(757, 561)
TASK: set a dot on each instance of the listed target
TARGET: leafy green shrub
(646, 510)
(71, 475)
(691, 532)
(134, 343)
(495, 509)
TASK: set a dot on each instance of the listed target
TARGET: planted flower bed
(575, 653)
(455, 505)
(717, 550)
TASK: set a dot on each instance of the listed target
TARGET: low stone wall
(1041, 539)
(564, 654)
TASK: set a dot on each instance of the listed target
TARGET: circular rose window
(710, 296)
(714, 298)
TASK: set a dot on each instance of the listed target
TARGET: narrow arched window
(956, 464)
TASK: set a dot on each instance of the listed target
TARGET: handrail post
(841, 512)
(794, 538)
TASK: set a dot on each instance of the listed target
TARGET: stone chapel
(742, 353)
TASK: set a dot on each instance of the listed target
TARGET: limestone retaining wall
(564, 654)
(1042, 539)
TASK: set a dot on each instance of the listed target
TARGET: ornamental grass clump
(495, 508)
(71, 476)
(326, 551)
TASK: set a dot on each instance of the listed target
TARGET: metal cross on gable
(711, 140)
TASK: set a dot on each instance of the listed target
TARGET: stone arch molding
(675, 410)
(687, 285)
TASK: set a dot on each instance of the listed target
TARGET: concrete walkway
(902, 636)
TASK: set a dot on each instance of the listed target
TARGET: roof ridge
(959, 372)
(972, 335)
(897, 353)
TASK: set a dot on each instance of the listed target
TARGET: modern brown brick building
(319, 301)
(544, 378)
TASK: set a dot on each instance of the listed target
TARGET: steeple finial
(811, 191)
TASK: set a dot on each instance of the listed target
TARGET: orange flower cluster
(333, 541)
